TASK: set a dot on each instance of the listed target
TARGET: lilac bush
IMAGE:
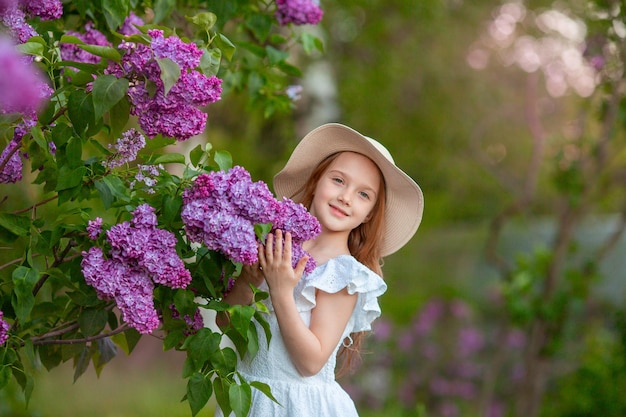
(98, 227)
(439, 360)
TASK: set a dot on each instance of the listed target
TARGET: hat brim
(404, 203)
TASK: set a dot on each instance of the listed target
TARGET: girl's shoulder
(347, 272)
(343, 271)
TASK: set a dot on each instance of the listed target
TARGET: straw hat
(405, 201)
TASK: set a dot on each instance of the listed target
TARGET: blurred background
(509, 300)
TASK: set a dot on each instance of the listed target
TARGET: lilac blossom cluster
(24, 89)
(13, 14)
(126, 148)
(175, 113)
(141, 256)
(220, 210)
(147, 175)
(4, 329)
(10, 160)
(11, 164)
(298, 12)
(91, 36)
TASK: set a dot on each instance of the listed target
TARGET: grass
(146, 383)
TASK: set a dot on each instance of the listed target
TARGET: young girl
(368, 208)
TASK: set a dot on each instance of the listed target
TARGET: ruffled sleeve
(339, 273)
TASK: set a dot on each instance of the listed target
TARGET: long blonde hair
(364, 243)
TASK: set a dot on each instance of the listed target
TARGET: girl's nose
(344, 198)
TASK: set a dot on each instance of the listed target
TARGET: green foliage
(54, 316)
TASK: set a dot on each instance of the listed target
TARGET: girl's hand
(275, 261)
(251, 274)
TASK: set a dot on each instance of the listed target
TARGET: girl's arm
(309, 347)
(241, 293)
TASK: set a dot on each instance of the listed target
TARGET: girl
(368, 208)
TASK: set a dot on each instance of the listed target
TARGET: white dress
(318, 395)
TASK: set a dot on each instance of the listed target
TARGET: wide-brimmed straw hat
(404, 203)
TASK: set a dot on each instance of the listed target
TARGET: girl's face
(346, 192)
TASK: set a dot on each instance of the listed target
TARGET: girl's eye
(364, 195)
(338, 180)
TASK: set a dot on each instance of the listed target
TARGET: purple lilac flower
(141, 256)
(4, 329)
(147, 174)
(15, 20)
(221, 208)
(175, 114)
(94, 228)
(22, 87)
(298, 12)
(52, 147)
(294, 92)
(126, 148)
(11, 166)
(129, 26)
(6, 5)
(195, 323)
(44, 9)
(91, 36)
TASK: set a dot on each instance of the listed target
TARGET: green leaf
(210, 61)
(162, 9)
(119, 115)
(184, 301)
(102, 51)
(115, 11)
(171, 208)
(15, 224)
(202, 344)
(224, 360)
(196, 155)
(105, 193)
(5, 375)
(74, 153)
(69, 178)
(260, 25)
(265, 389)
(275, 55)
(224, 160)
(240, 397)
(24, 280)
(221, 388)
(264, 324)
(240, 318)
(117, 187)
(81, 363)
(169, 158)
(206, 20)
(81, 111)
(107, 91)
(226, 46)
(310, 42)
(92, 321)
(199, 391)
(31, 48)
(170, 73)
(106, 351)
